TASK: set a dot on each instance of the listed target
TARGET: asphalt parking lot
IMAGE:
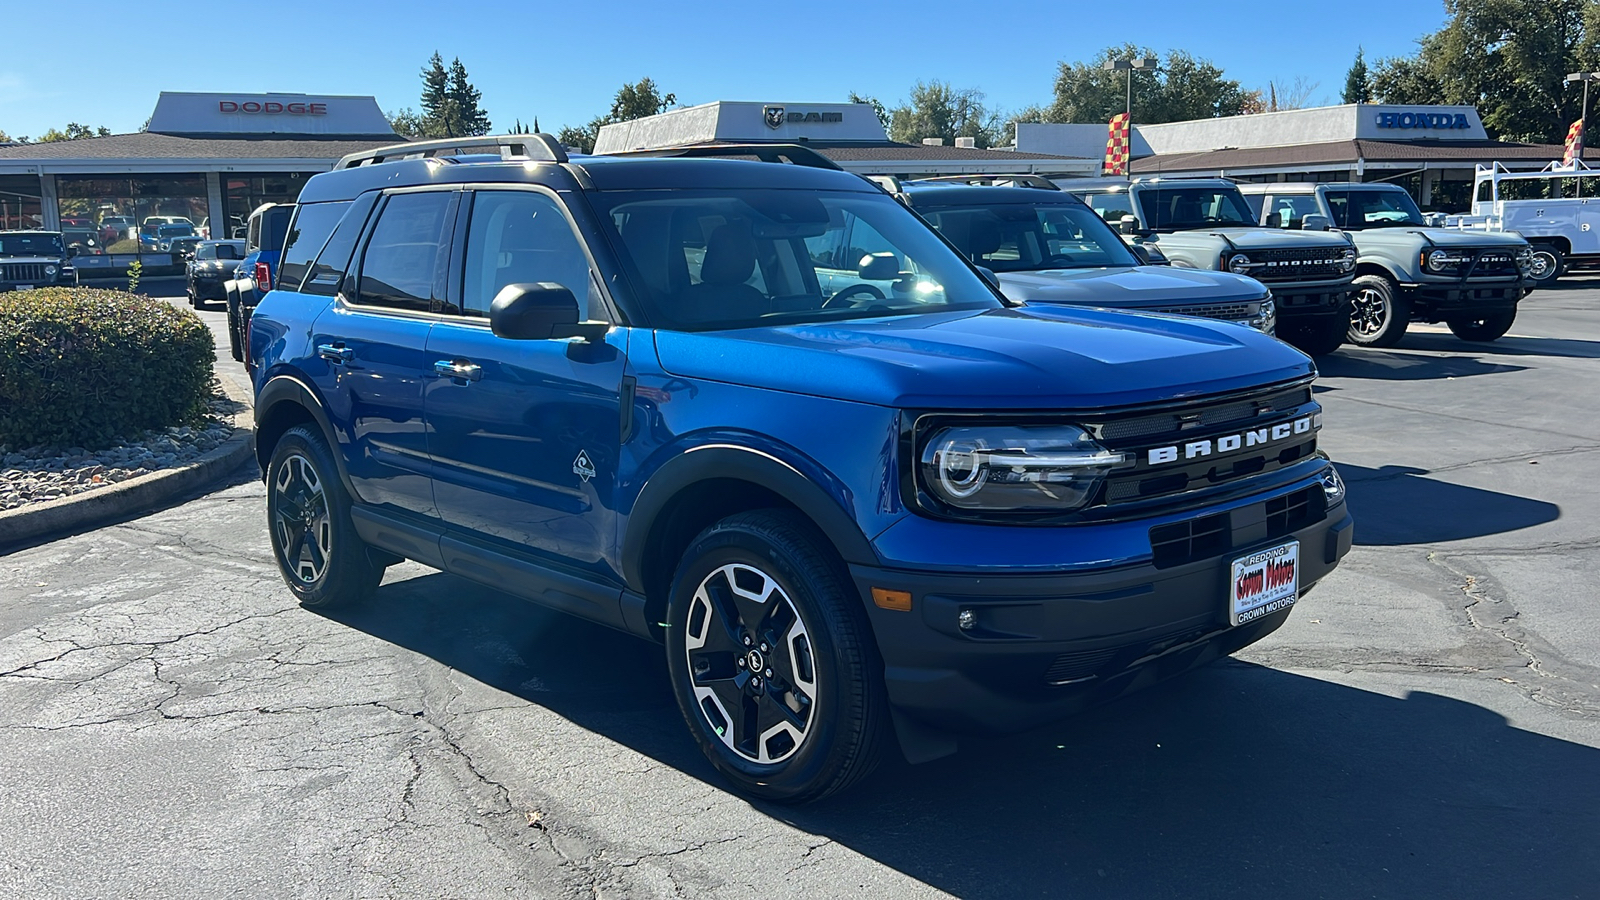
(1426, 725)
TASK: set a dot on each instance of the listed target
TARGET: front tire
(1378, 315)
(314, 542)
(773, 661)
(1549, 264)
(1318, 337)
(1487, 327)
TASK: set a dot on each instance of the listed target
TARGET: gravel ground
(37, 474)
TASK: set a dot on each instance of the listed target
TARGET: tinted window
(1193, 207)
(1014, 237)
(206, 251)
(275, 227)
(1110, 206)
(30, 245)
(1372, 209)
(327, 273)
(312, 225)
(402, 256)
(518, 237)
(231, 250)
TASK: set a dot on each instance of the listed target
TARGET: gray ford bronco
(1470, 280)
(1204, 223)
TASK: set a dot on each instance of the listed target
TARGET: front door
(372, 347)
(525, 434)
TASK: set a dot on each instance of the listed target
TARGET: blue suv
(645, 390)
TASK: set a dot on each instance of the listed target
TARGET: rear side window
(402, 260)
(309, 231)
(328, 272)
(275, 227)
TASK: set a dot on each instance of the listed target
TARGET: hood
(1419, 237)
(1042, 357)
(1265, 238)
(1141, 287)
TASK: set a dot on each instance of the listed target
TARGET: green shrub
(85, 366)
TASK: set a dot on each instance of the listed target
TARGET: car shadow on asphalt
(1398, 505)
(1387, 365)
(1235, 781)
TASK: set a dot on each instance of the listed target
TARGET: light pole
(1142, 63)
(1583, 118)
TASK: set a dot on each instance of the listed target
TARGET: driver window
(516, 237)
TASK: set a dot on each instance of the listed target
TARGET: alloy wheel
(1369, 312)
(300, 518)
(751, 664)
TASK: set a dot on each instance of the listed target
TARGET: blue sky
(562, 62)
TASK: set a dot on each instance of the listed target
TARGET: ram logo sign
(776, 116)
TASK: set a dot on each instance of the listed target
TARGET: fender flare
(284, 388)
(759, 467)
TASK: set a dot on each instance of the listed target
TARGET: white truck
(1557, 209)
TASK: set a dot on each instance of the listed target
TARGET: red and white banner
(1117, 147)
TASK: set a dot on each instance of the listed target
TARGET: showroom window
(19, 203)
(114, 221)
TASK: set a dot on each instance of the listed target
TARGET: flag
(1117, 147)
(1574, 150)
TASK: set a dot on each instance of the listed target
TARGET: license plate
(24, 287)
(1264, 582)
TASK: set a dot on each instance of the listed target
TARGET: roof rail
(540, 147)
(793, 154)
(1032, 181)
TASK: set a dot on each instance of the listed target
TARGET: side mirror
(878, 267)
(539, 311)
(1140, 253)
(1315, 223)
(1129, 225)
(72, 251)
(989, 276)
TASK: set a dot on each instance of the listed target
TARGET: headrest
(730, 255)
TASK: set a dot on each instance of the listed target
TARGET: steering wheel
(1057, 259)
(867, 289)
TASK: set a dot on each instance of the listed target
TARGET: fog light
(967, 619)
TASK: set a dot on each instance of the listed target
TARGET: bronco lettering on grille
(1229, 443)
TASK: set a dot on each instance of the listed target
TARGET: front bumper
(1300, 302)
(1453, 296)
(1047, 645)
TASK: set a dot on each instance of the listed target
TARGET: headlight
(1524, 259)
(1444, 260)
(1016, 468)
(1266, 318)
(1347, 260)
(1239, 264)
(50, 270)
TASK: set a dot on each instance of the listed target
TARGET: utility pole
(1143, 64)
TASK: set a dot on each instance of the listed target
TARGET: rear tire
(773, 661)
(1549, 264)
(1378, 316)
(1318, 337)
(314, 542)
(1487, 327)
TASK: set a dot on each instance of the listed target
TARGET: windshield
(1182, 208)
(1022, 237)
(175, 230)
(706, 260)
(31, 245)
(1355, 210)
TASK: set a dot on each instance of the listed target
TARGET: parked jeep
(1406, 272)
(1204, 223)
(620, 387)
(31, 259)
(252, 278)
(1043, 245)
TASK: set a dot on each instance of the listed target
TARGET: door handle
(335, 353)
(458, 368)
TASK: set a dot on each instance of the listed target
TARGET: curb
(31, 522)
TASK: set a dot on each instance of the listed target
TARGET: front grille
(22, 272)
(1230, 311)
(1207, 537)
(1080, 666)
(1085, 665)
(1224, 413)
(1296, 265)
(1495, 264)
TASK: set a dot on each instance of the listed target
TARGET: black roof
(924, 193)
(603, 173)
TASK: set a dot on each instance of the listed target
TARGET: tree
(937, 110)
(1282, 95)
(407, 122)
(1508, 58)
(436, 111)
(632, 101)
(877, 108)
(73, 132)
(467, 101)
(1357, 81)
(1184, 87)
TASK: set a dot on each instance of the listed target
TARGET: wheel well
(1368, 268)
(1556, 241)
(280, 417)
(689, 512)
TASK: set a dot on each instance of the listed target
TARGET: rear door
(371, 344)
(525, 438)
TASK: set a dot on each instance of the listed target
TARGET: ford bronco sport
(252, 278)
(1405, 271)
(1204, 223)
(621, 387)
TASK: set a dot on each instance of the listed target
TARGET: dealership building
(206, 158)
(1430, 150)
